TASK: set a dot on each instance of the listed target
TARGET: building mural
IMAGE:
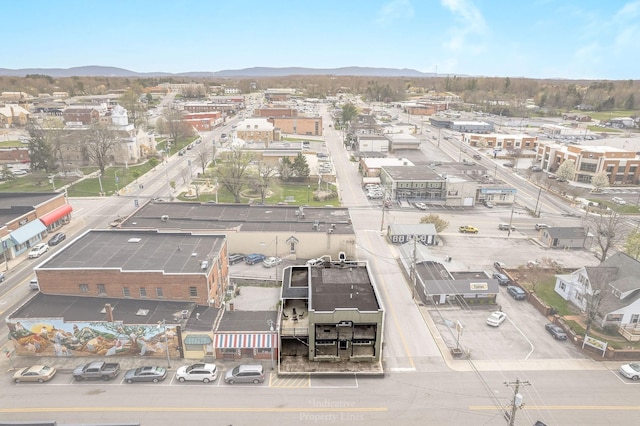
(55, 337)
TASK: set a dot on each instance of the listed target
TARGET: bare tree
(605, 229)
(264, 177)
(100, 144)
(203, 154)
(439, 223)
(174, 125)
(234, 170)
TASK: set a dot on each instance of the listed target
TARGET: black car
(516, 292)
(57, 239)
(556, 331)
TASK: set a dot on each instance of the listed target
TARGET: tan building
(311, 126)
(622, 166)
(499, 141)
(257, 130)
(289, 232)
(13, 115)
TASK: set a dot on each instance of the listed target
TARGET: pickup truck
(97, 370)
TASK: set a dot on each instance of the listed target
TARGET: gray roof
(14, 205)
(78, 308)
(238, 217)
(411, 173)
(295, 282)
(139, 250)
(413, 229)
(438, 280)
(342, 287)
(247, 320)
(567, 232)
(627, 276)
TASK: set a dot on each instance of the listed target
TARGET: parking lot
(521, 337)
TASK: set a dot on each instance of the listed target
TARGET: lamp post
(308, 189)
(115, 174)
(163, 323)
(100, 182)
(271, 329)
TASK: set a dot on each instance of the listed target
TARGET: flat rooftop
(139, 250)
(78, 308)
(342, 286)
(238, 218)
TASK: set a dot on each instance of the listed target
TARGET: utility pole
(413, 267)
(513, 206)
(516, 402)
(535, 211)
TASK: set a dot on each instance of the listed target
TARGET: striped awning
(242, 341)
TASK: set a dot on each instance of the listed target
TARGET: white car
(197, 373)
(38, 250)
(631, 371)
(421, 206)
(272, 261)
(616, 200)
(496, 318)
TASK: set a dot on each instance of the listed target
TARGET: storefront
(27, 236)
(242, 345)
(57, 218)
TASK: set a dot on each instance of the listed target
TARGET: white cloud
(469, 22)
(393, 11)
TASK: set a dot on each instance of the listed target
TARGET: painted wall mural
(55, 337)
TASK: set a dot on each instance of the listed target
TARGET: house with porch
(613, 285)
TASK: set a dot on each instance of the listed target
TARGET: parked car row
(200, 372)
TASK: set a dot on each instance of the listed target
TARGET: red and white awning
(245, 341)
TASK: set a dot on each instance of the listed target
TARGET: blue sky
(593, 39)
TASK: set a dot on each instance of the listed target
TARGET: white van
(33, 284)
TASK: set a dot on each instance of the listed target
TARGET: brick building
(139, 264)
(311, 126)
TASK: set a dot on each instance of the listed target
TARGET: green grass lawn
(279, 193)
(13, 144)
(91, 186)
(35, 182)
(545, 292)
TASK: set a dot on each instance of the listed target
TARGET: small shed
(564, 237)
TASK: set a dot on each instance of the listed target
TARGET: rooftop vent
(164, 217)
(134, 240)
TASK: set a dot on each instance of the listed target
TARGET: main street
(410, 398)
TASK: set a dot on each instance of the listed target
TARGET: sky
(572, 39)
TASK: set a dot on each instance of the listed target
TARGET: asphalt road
(439, 398)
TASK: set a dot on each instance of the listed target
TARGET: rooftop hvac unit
(164, 217)
(185, 314)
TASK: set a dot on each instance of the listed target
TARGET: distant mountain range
(100, 71)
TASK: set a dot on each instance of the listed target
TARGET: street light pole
(271, 346)
(308, 188)
(166, 341)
